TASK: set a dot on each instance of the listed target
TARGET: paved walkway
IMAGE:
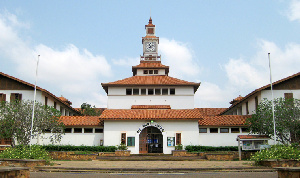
(154, 164)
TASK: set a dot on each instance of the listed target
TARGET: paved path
(154, 164)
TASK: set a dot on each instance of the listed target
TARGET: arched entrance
(151, 140)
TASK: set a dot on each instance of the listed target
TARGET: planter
(279, 163)
(179, 152)
(122, 152)
(219, 157)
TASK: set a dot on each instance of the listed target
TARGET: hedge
(79, 148)
(196, 148)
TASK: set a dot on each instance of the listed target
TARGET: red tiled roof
(81, 121)
(260, 89)
(253, 136)
(150, 80)
(147, 114)
(41, 89)
(224, 120)
(239, 98)
(150, 107)
(211, 111)
(65, 100)
(150, 64)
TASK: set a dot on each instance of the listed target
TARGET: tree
(287, 119)
(88, 110)
(15, 121)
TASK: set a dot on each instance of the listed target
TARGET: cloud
(126, 61)
(294, 11)
(70, 71)
(179, 56)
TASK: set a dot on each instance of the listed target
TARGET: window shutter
(20, 97)
(288, 95)
(2, 97)
(12, 97)
(178, 138)
(123, 138)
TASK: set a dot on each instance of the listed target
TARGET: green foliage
(79, 148)
(15, 121)
(88, 110)
(179, 147)
(197, 148)
(287, 118)
(122, 146)
(26, 152)
(277, 152)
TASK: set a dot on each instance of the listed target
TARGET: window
(178, 138)
(77, 130)
(235, 130)
(171, 141)
(213, 130)
(143, 91)
(202, 130)
(155, 71)
(136, 91)
(130, 141)
(2, 97)
(68, 130)
(54, 105)
(157, 91)
(164, 91)
(123, 138)
(15, 96)
(46, 101)
(98, 130)
(244, 129)
(288, 95)
(61, 110)
(88, 130)
(150, 92)
(224, 130)
(128, 91)
(150, 71)
(150, 30)
(172, 91)
(247, 108)
(256, 102)
(145, 71)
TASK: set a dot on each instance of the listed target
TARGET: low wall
(106, 154)
(19, 172)
(31, 163)
(279, 163)
(71, 155)
(219, 157)
(284, 172)
(235, 154)
(122, 152)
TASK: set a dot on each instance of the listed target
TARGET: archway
(151, 140)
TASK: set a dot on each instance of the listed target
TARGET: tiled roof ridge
(224, 120)
(253, 136)
(150, 107)
(38, 88)
(260, 89)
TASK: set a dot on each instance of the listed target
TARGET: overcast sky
(222, 44)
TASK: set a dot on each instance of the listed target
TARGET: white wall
(183, 98)
(188, 129)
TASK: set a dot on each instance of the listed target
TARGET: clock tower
(150, 44)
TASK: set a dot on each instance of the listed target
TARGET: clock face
(150, 46)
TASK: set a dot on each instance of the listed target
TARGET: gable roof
(260, 89)
(156, 80)
(41, 89)
(211, 111)
(150, 107)
(81, 121)
(224, 120)
(149, 114)
(150, 65)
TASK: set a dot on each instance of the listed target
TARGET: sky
(222, 44)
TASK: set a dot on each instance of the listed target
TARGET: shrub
(122, 146)
(26, 152)
(179, 147)
(79, 148)
(197, 148)
(277, 152)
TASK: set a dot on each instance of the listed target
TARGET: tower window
(150, 71)
(145, 71)
(150, 30)
(143, 91)
(136, 91)
(157, 91)
(164, 91)
(129, 91)
(150, 92)
(172, 91)
(155, 71)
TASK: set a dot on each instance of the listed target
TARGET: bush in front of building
(278, 152)
(79, 148)
(26, 152)
(197, 148)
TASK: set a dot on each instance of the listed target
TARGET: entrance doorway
(151, 140)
